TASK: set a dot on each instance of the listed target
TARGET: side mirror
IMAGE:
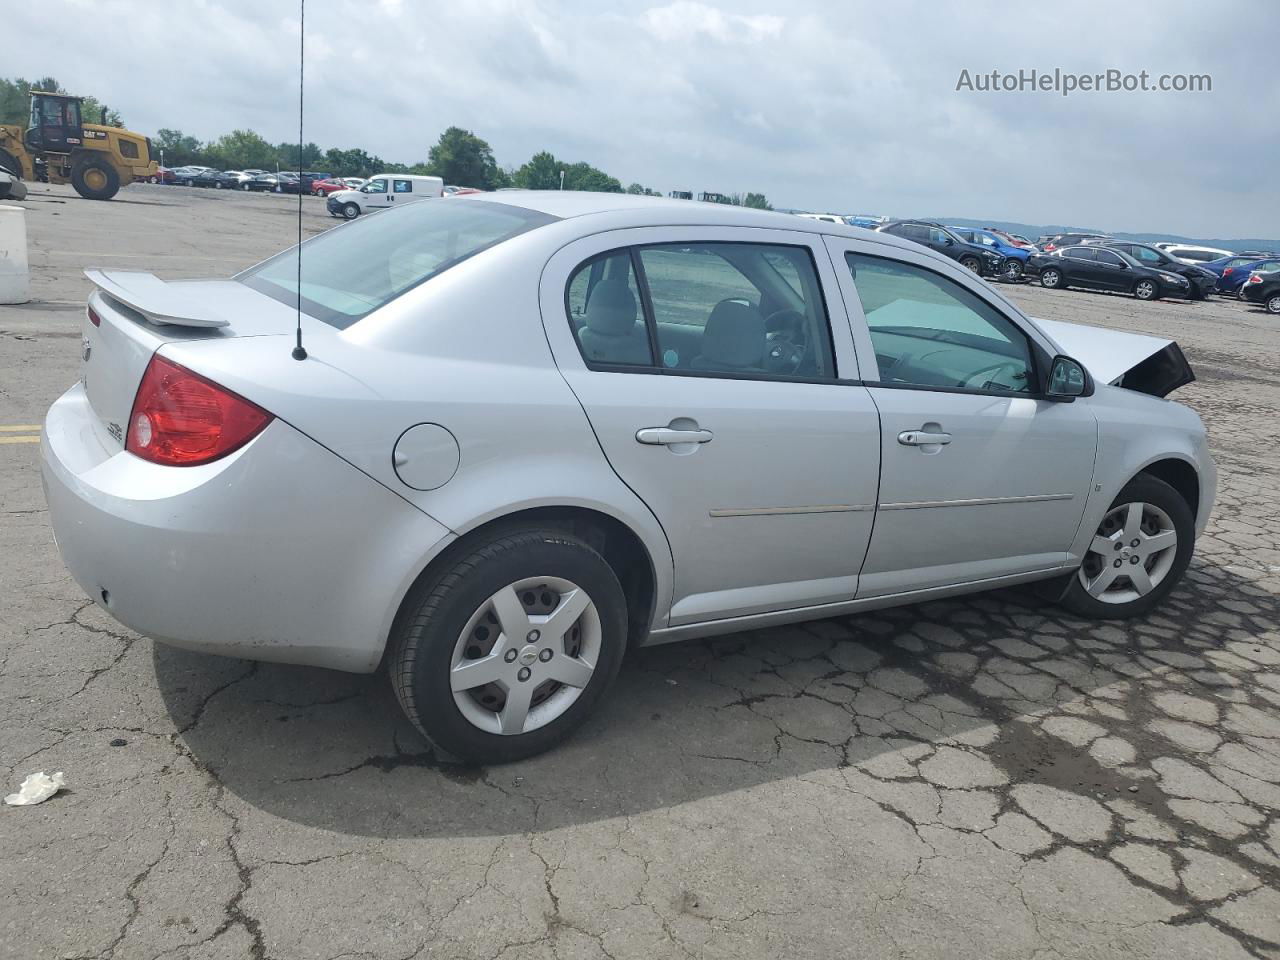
(1068, 379)
(948, 242)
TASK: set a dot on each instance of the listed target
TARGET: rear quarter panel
(465, 350)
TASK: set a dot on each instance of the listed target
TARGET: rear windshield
(354, 269)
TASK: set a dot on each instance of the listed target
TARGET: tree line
(458, 157)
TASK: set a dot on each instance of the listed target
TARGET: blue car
(1233, 271)
(1014, 264)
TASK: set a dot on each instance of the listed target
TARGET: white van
(384, 190)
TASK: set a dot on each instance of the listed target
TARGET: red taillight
(180, 419)
(1227, 272)
(93, 317)
(1254, 278)
(1048, 246)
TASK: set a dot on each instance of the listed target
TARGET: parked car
(794, 421)
(1263, 288)
(187, 176)
(1013, 259)
(1099, 268)
(322, 188)
(162, 175)
(384, 190)
(935, 236)
(1014, 239)
(247, 177)
(1189, 253)
(452, 190)
(1201, 282)
(302, 182)
(355, 183)
(1059, 240)
(205, 178)
(825, 217)
(1234, 271)
(262, 183)
(288, 182)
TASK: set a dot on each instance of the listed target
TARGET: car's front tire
(507, 649)
(1146, 290)
(1273, 303)
(1051, 277)
(1012, 269)
(350, 211)
(971, 264)
(1138, 554)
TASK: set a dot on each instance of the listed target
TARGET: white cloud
(686, 20)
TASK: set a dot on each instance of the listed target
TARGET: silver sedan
(497, 441)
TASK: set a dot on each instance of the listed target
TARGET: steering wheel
(975, 380)
(786, 345)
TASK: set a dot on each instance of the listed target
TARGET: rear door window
(402, 186)
(738, 309)
(603, 301)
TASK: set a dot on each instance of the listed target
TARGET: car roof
(622, 210)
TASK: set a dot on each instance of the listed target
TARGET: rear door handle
(920, 438)
(669, 435)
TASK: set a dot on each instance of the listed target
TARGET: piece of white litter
(37, 788)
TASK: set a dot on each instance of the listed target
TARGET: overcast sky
(847, 106)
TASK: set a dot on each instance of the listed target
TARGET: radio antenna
(299, 351)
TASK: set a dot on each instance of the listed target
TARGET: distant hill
(1032, 231)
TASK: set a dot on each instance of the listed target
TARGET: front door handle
(670, 435)
(920, 438)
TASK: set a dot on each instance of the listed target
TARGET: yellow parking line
(20, 428)
(19, 439)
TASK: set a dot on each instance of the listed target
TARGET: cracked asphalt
(983, 777)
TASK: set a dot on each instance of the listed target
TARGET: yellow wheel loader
(56, 147)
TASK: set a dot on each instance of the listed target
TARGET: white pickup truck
(383, 190)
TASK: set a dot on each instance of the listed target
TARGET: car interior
(772, 321)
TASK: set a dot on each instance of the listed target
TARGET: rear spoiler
(1134, 361)
(155, 299)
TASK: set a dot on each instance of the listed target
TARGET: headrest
(734, 335)
(612, 308)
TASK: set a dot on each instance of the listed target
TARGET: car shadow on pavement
(950, 693)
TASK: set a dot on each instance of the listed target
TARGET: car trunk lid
(1135, 361)
(139, 313)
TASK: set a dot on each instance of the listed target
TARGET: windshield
(358, 267)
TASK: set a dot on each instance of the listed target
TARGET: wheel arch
(621, 546)
(1179, 474)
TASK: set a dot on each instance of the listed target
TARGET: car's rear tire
(1012, 269)
(1273, 303)
(1051, 277)
(1146, 290)
(972, 264)
(350, 210)
(95, 179)
(1117, 579)
(471, 641)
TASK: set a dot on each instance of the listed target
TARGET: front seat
(610, 333)
(733, 339)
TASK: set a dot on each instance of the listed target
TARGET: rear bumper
(279, 551)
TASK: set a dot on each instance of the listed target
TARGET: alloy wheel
(525, 655)
(1273, 305)
(1050, 279)
(1146, 290)
(1131, 554)
(1013, 269)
